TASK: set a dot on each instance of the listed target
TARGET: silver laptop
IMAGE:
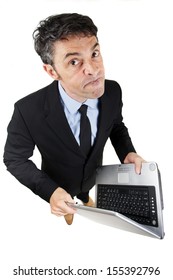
(128, 201)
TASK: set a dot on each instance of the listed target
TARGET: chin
(98, 93)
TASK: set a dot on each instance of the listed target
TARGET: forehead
(75, 44)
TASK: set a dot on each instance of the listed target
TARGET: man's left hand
(136, 159)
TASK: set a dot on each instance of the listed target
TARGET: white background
(136, 43)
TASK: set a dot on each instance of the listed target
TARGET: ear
(51, 71)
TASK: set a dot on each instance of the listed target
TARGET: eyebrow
(77, 53)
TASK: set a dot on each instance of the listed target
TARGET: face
(79, 67)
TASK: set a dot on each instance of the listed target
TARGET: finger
(58, 213)
(138, 167)
(68, 209)
(62, 209)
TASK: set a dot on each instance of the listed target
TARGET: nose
(90, 68)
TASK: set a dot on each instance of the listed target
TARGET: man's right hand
(58, 203)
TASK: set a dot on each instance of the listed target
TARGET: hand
(58, 203)
(136, 159)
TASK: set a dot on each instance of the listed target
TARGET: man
(52, 118)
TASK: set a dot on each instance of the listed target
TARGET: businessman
(69, 120)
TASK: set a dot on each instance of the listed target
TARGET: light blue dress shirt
(71, 108)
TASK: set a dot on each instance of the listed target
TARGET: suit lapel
(56, 119)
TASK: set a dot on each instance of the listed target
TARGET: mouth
(94, 82)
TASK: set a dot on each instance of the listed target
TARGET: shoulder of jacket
(36, 96)
(112, 89)
(111, 84)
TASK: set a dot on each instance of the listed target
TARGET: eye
(74, 62)
(95, 53)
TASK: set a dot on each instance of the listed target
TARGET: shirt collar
(71, 104)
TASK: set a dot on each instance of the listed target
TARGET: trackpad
(123, 177)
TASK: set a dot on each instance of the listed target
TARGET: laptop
(128, 201)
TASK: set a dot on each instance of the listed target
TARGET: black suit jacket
(39, 119)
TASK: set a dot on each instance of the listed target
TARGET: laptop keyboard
(137, 203)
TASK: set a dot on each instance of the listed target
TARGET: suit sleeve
(121, 141)
(19, 148)
(119, 136)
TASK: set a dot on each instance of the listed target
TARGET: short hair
(57, 27)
